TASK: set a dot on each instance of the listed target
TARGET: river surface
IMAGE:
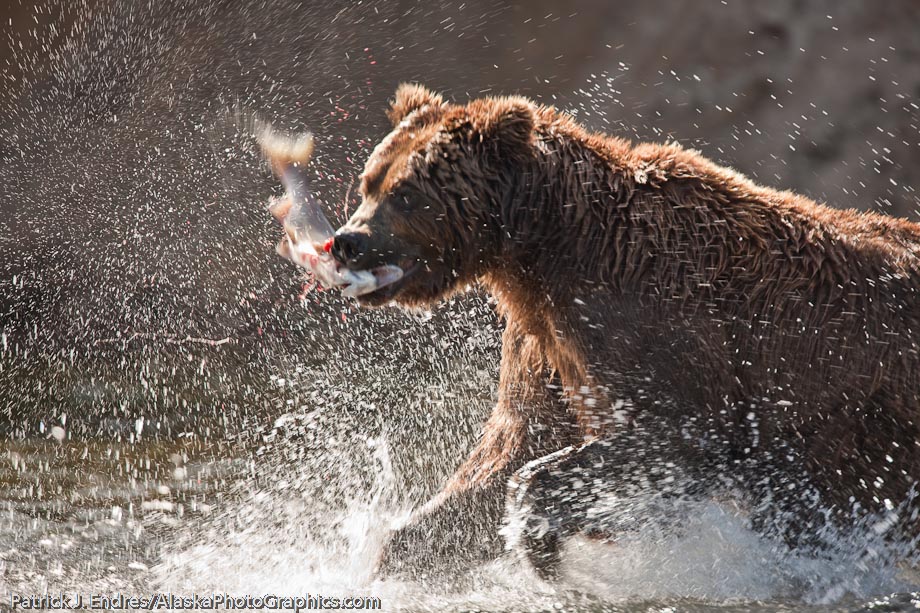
(190, 517)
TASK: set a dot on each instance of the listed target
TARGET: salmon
(307, 232)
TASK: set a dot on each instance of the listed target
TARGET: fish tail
(285, 150)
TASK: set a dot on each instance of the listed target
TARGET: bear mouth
(355, 284)
(387, 289)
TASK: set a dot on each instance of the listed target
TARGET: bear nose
(348, 247)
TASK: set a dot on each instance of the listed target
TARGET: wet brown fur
(646, 272)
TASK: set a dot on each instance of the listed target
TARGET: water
(193, 517)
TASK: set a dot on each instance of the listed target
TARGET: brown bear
(663, 316)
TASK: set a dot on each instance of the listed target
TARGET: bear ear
(510, 120)
(411, 97)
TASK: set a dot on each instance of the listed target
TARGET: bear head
(434, 191)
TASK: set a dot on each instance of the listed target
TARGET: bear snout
(349, 248)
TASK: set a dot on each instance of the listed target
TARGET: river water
(290, 510)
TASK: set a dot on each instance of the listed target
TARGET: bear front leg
(460, 526)
(602, 488)
(539, 508)
(454, 531)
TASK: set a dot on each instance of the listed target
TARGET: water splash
(714, 556)
(285, 539)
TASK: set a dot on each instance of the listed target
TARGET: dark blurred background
(137, 269)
